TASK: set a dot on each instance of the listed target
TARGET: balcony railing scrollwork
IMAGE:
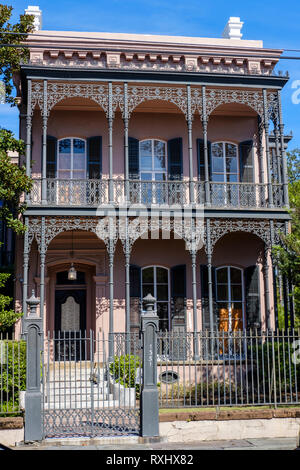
(95, 192)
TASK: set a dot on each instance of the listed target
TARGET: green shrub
(124, 370)
(12, 375)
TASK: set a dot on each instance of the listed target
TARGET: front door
(70, 324)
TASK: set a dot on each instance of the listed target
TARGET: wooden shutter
(201, 161)
(175, 166)
(252, 297)
(94, 157)
(133, 157)
(205, 297)
(246, 161)
(51, 156)
(135, 281)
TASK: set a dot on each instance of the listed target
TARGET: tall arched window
(71, 158)
(155, 281)
(153, 160)
(230, 298)
(224, 162)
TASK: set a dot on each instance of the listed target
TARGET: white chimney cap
(233, 28)
(37, 13)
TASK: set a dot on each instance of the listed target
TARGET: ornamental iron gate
(85, 394)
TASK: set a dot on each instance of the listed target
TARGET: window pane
(79, 162)
(222, 275)
(162, 310)
(146, 162)
(64, 146)
(236, 292)
(160, 177)
(148, 289)
(146, 148)
(161, 275)
(78, 146)
(222, 292)
(146, 176)
(159, 155)
(64, 162)
(79, 174)
(231, 164)
(162, 292)
(235, 276)
(231, 150)
(62, 174)
(217, 157)
(147, 275)
(218, 178)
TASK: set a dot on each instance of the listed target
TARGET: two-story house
(154, 172)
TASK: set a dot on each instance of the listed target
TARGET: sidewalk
(133, 445)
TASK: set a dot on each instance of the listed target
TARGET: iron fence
(229, 368)
(12, 375)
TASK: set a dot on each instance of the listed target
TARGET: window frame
(153, 171)
(229, 300)
(225, 174)
(71, 170)
(168, 302)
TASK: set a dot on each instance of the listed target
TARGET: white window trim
(229, 302)
(72, 154)
(223, 142)
(153, 171)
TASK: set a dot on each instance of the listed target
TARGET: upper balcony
(141, 193)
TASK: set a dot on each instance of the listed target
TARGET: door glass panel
(236, 292)
(161, 275)
(162, 292)
(148, 289)
(236, 275)
(222, 292)
(159, 155)
(222, 275)
(70, 315)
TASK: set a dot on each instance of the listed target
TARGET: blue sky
(275, 22)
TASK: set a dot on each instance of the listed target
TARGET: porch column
(25, 270)
(28, 133)
(283, 157)
(110, 143)
(44, 145)
(127, 289)
(266, 129)
(42, 267)
(278, 163)
(126, 161)
(194, 289)
(210, 285)
(190, 144)
(111, 252)
(260, 150)
(267, 288)
(274, 275)
(204, 125)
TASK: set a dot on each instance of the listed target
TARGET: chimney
(233, 28)
(37, 13)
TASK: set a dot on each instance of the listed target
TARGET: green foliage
(13, 183)
(124, 368)
(8, 316)
(12, 375)
(288, 253)
(11, 57)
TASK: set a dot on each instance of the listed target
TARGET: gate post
(33, 395)
(149, 395)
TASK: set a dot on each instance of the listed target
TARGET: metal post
(283, 157)
(209, 266)
(44, 152)
(42, 277)
(33, 395)
(110, 142)
(28, 134)
(274, 274)
(267, 289)
(190, 143)
(149, 395)
(204, 125)
(266, 128)
(111, 299)
(194, 287)
(126, 157)
(25, 269)
(127, 290)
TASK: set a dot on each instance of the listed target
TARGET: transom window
(224, 162)
(155, 281)
(230, 298)
(153, 160)
(71, 158)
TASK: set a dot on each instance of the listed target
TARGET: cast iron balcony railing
(95, 192)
